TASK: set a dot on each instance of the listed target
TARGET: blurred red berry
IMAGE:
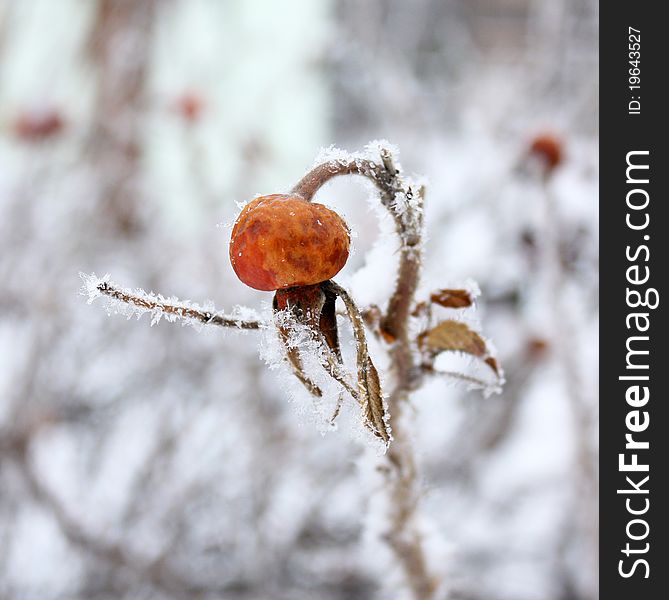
(36, 125)
(189, 106)
(548, 148)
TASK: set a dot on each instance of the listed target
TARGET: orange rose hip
(548, 148)
(282, 241)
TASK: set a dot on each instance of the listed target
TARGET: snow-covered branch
(137, 302)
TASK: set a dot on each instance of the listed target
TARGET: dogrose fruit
(547, 147)
(281, 241)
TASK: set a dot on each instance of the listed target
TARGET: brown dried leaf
(454, 336)
(491, 361)
(452, 298)
(372, 400)
(370, 396)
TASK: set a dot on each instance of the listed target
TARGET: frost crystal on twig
(137, 302)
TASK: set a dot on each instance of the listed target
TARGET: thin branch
(385, 176)
(321, 174)
(159, 306)
(153, 572)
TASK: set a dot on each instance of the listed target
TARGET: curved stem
(321, 174)
(401, 477)
(386, 177)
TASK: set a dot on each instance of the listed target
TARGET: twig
(158, 305)
(153, 572)
(321, 174)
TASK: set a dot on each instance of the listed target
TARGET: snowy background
(158, 462)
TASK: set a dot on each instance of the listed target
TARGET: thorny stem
(401, 477)
(171, 308)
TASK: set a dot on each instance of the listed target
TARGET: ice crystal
(137, 302)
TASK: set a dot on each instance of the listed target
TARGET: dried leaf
(370, 396)
(372, 400)
(315, 307)
(454, 336)
(491, 361)
(330, 337)
(452, 298)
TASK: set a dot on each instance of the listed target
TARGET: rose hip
(281, 241)
(547, 147)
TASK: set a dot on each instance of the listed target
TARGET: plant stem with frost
(403, 536)
(158, 305)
